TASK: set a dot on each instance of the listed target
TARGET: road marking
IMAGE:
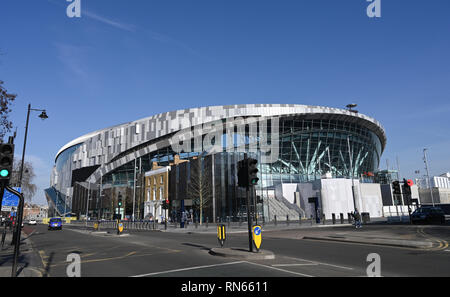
(443, 244)
(321, 263)
(130, 254)
(279, 269)
(295, 264)
(188, 268)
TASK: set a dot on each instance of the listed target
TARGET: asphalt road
(168, 254)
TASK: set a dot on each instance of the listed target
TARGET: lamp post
(430, 186)
(43, 116)
(351, 171)
(350, 109)
(16, 240)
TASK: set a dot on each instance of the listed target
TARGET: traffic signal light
(406, 186)
(165, 204)
(242, 173)
(6, 162)
(396, 187)
(252, 172)
(248, 172)
(120, 202)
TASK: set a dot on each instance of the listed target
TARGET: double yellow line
(442, 244)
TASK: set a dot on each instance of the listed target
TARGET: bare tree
(199, 188)
(28, 188)
(6, 99)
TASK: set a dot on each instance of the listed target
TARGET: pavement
(27, 261)
(424, 237)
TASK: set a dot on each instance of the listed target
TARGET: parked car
(428, 215)
(55, 223)
(32, 222)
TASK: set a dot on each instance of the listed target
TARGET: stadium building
(163, 157)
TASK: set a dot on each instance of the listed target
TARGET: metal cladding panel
(122, 137)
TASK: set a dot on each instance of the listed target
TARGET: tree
(6, 99)
(199, 188)
(28, 188)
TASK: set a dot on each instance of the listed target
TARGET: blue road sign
(9, 199)
(257, 230)
(257, 236)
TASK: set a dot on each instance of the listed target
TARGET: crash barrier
(230, 222)
(67, 220)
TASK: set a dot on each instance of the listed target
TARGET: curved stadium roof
(106, 144)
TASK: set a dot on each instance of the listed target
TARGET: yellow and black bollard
(221, 234)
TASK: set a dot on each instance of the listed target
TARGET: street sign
(10, 200)
(257, 236)
(120, 227)
(221, 234)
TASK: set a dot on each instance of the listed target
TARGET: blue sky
(126, 60)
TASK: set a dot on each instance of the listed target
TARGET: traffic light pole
(18, 230)
(249, 218)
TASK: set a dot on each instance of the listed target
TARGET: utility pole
(249, 218)
(134, 187)
(398, 169)
(351, 171)
(87, 202)
(428, 174)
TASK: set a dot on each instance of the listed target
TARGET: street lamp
(350, 154)
(43, 116)
(430, 186)
(351, 106)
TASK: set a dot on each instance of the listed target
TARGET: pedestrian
(182, 219)
(357, 217)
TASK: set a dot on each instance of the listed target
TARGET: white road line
(321, 263)
(446, 250)
(188, 268)
(295, 264)
(279, 269)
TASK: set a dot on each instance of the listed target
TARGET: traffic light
(248, 172)
(165, 204)
(6, 162)
(396, 187)
(242, 173)
(407, 186)
(120, 202)
(252, 172)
